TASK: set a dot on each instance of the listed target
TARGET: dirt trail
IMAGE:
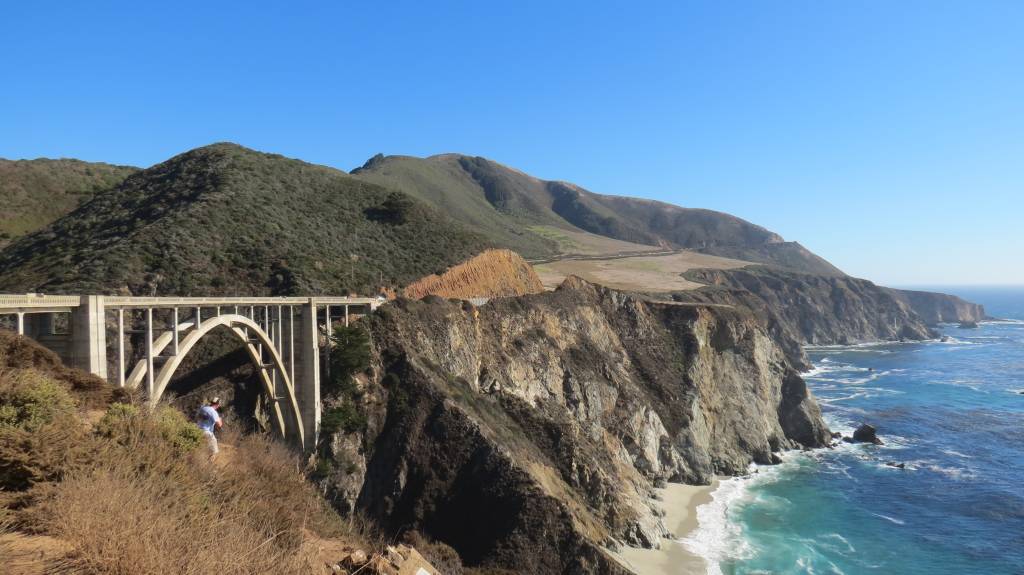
(22, 554)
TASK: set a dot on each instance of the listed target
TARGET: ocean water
(951, 411)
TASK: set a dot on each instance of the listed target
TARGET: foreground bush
(148, 509)
(137, 492)
(29, 399)
(40, 436)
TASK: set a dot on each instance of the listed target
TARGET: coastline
(680, 504)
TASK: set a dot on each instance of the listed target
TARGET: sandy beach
(680, 503)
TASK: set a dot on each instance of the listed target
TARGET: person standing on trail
(209, 420)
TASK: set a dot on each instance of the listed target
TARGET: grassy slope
(225, 219)
(34, 193)
(442, 182)
(514, 209)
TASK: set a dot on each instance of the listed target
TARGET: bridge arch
(285, 415)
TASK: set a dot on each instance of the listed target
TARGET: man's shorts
(211, 439)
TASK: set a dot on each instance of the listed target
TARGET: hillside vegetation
(34, 193)
(226, 219)
(94, 483)
(515, 210)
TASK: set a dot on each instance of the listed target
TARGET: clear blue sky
(886, 136)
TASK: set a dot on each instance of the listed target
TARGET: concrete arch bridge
(282, 336)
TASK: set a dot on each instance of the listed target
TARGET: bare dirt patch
(586, 243)
(649, 273)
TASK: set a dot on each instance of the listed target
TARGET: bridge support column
(89, 336)
(307, 374)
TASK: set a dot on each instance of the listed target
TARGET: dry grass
(155, 513)
(647, 273)
(137, 493)
(18, 353)
(493, 273)
(147, 507)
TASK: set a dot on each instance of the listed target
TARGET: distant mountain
(34, 193)
(226, 219)
(530, 215)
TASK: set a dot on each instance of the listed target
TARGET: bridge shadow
(219, 366)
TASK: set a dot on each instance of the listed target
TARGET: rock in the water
(896, 465)
(776, 459)
(968, 324)
(837, 435)
(866, 434)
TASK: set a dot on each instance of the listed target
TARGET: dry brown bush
(134, 492)
(145, 507)
(91, 392)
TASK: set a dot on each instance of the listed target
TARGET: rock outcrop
(866, 433)
(799, 309)
(493, 273)
(935, 308)
(529, 432)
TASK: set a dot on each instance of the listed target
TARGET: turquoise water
(952, 412)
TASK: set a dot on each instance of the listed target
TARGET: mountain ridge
(34, 193)
(487, 195)
(281, 226)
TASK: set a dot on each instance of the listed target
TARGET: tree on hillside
(350, 354)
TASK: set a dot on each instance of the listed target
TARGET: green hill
(528, 214)
(225, 219)
(34, 193)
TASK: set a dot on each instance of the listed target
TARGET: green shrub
(350, 354)
(117, 420)
(124, 421)
(345, 417)
(176, 429)
(323, 469)
(30, 399)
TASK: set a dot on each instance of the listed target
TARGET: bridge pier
(89, 336)
(307, 374)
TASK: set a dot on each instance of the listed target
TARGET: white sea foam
(862, 392)
(950, 340)
(955, 473)
(893, 519)
(849, 546)
(717, 538)
(853, 346)
(969, 384)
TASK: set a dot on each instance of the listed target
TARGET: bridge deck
(14, 303)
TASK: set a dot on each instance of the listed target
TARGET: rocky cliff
(800, 309)
(493, 273)
(935, 308)
(529, 432)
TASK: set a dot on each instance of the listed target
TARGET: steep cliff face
(936, 308)
(800, 309)
(810, 309)
(529, 432)
(493, 273)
